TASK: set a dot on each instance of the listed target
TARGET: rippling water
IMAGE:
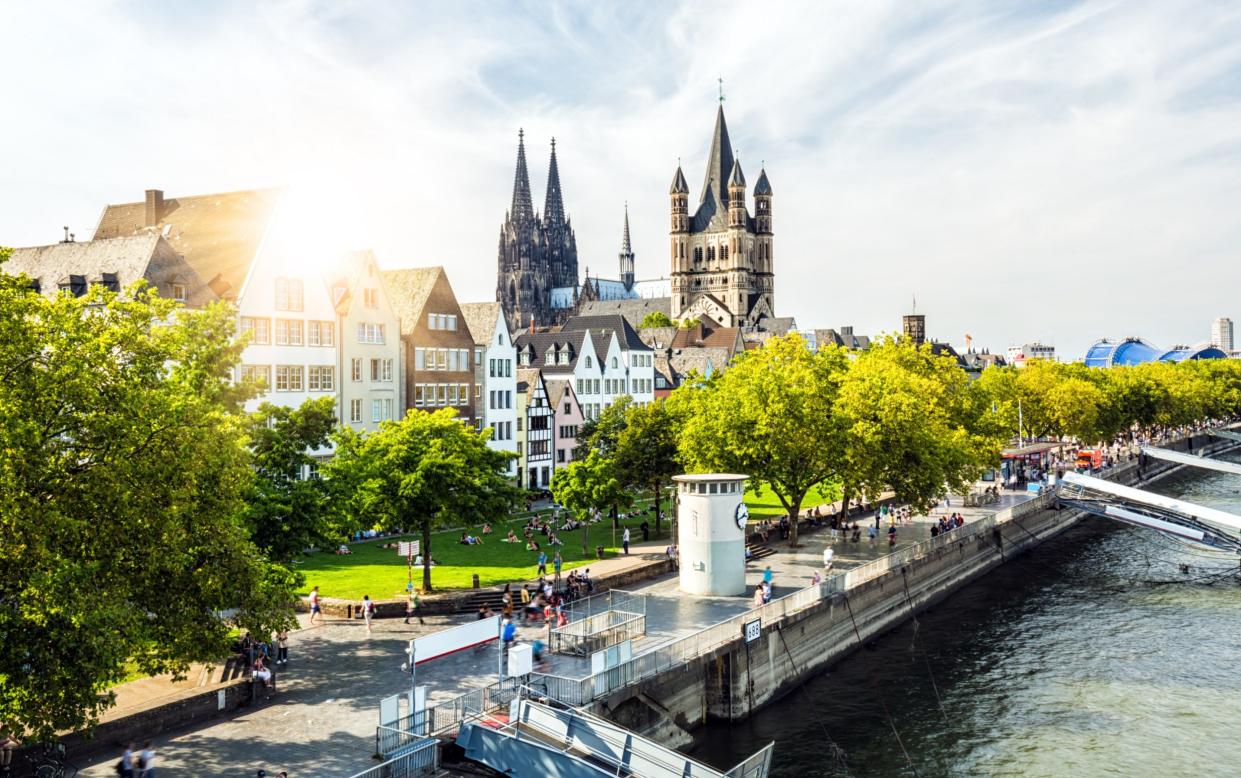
(1091, 655)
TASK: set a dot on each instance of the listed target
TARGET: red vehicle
(1089, 459)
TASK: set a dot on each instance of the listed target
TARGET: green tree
(913, 424)
(770, 416)
(121, 494)
(288, 512)
(425, 471)
(656, 319)
(602, 434)
(589, 485)
(646, 451)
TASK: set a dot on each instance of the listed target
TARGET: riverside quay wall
(729, 680)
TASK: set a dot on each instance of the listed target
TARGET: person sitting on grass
(533, 545)
(486, 528)
(342, 549)
(512, 537)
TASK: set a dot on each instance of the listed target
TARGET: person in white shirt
(625, 540)
(368, 611)
(829, 555)
(146, 761)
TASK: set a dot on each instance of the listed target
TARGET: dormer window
(73, 284)
(549, 358)
(588, 365)
(614, 365)
(110, 282)
(524, 359)
(35, 286)
(179, 293)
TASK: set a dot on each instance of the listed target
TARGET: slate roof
(844, 337)
(778, 325)
(634, 311)
(686, 361)
(145, 256)
(712, 213)
(763, 187)
(540, 342)
(481, 319)
(527, 380)
(557, 390)
(625, 332)
(408, 290)
(679, 185)
(705, 336)
(218, 234)
(658, 338)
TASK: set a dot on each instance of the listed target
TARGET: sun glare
(315, 224)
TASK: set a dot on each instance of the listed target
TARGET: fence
(594, 633)
(421, 758)
(445, 715)
(613, 600)
(756, 766)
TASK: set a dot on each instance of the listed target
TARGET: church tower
(536, 255)
(721, 256)
(626, 256)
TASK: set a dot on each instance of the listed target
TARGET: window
(588, 362)
(613, 363)
(420, 358)
(375, 369)
(282, 294)
(519, 424)
(560, 455)
(289, 378)
(370, 298)
(178, 292)
(320, 333)
(258, 329)
(256, 374)
(568, 408)
(478, 391)
(389, 404)
(386, 374)
(355, 370)
(419, 397)
(295, 294)
(355, 411)
(370, 333)
(377, 408)
(519, 442)
(312, 470)
(441, 359)
(478, 356)
(452, 394)
(288, 332)
(322, 378)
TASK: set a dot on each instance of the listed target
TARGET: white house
(495, 369)
(370, 345)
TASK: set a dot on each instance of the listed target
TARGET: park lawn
(763, 503)
(381, 574)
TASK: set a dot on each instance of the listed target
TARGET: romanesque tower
(722, 256)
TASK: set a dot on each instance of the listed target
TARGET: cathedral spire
(626, 247)
(553, 207)
(626, 256)
(522, 209)
(719, 161)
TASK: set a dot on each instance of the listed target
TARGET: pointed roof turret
(553, 206)
(679, 186)
(737, 178)
(626, 246)
(522, 209)
(763, 187)
(719, 160)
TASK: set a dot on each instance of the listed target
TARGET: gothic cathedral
(721, 255)
(537, 254)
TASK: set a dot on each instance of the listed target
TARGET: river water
(1092, 655)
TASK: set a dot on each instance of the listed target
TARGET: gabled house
(114, 263)
(631, 360)
(495, 366)
(535, 421)
(437, 347)
(569, 419)
(370, 349)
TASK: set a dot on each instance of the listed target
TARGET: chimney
(154, 207)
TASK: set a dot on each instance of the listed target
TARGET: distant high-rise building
(1018, 355)
(1221, 333)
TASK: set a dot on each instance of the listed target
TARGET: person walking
(625, 541)
(146, 761)
(125, 768)
(557, 563)
(829, 555)
(315, 609)
(282, 647)
(542, 563)
(413, 607)
(767, 576)
(892, 536)
(507, 634)
(758, 597)
(872, 533)
(368, 611)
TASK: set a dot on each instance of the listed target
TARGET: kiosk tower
(711, 520)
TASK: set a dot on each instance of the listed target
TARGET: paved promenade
(322, 720)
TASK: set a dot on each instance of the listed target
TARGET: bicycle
(49, 762)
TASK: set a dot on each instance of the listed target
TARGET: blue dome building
(1135, 351)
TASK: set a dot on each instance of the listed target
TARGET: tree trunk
(794, 514)
(843, 514)
(426, 555)
(586, 537)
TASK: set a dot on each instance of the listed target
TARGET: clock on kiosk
(742, 516)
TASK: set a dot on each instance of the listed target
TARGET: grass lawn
(382, 574)
(763, 503)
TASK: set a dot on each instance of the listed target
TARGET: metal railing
(756, 766)
(443, 716)
(611, 600)
(597, 632)
(420, 758)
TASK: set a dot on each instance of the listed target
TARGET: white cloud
(1028, 171)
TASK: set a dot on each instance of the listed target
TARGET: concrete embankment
(739, 677)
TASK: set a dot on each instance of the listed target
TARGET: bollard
(476, 580)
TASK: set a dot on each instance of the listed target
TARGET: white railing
(422, 758)
(597, 632)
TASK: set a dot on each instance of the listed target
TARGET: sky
(1049, 171)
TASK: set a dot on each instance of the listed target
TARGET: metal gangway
(550, 740)
(1185, 521)
(1193, 460)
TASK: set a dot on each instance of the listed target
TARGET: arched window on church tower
(723, 253)
(710, 253)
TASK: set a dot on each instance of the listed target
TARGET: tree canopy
(656, 319)
(287, 511)
(589, 485)
(121, 491)
(770, 416)
(646, 450)
(426, 471)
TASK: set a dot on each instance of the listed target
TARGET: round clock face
(742, 515)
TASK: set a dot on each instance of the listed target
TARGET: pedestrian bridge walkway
(543, 739)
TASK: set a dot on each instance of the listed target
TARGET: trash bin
(476, 580)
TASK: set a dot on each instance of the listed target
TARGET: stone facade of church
(722, 260)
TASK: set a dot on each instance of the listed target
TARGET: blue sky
(1053, 171)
